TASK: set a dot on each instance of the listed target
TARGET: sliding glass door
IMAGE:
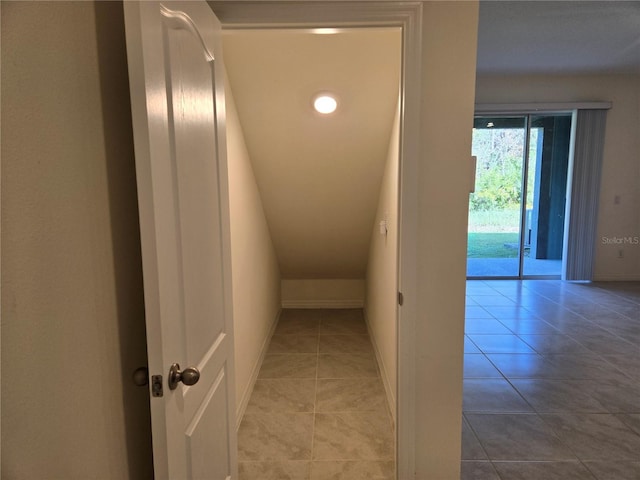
(548, 162)
(495, 206)
(516, 214)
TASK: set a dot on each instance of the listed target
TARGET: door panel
(495, 206)
(177, 97)
(192, 110)
(550, 138)
(202, 452)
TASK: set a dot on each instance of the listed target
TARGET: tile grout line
(315, 409)
(541, 414)
(315, 399)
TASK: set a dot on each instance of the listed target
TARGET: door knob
(189, 376)
(141, 376)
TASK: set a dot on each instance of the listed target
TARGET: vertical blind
(585, 191)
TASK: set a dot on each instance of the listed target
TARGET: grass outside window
(493, 233)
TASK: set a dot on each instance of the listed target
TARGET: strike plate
(156, 386)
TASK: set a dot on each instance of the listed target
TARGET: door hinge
(156, 386)
(400, 298)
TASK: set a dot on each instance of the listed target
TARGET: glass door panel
(548, 160)
(495, 207)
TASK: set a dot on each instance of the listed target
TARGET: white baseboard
(617, 277)
(322, 293)
(390, 394)
(355, 303)
(246, 396)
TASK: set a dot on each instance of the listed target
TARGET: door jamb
(408, 16)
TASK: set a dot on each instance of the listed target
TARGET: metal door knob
(189, 376)
(141, 376)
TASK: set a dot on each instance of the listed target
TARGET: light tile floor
(552, 381)
(318, 410)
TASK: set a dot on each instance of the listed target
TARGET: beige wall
(621, 163)
(449, 53)
(255, 272)
(72, 301)
(382, 272)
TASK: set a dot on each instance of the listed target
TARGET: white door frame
(408, 16)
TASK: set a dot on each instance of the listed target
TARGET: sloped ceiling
(318, 176)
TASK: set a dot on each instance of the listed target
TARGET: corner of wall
(382, 271)
(449, 46)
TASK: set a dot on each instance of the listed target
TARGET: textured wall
(72, 305)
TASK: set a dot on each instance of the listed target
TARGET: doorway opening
(517, 212)
(329, 186)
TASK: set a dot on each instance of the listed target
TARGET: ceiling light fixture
(325, 103)
(324, 31)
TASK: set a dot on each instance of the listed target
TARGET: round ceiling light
(325, 104)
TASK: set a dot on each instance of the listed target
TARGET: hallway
(551, 381)
(318, 410)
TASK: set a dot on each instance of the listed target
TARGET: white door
(177, 98)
